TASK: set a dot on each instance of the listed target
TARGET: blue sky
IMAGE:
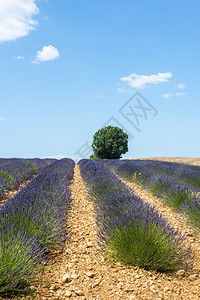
(68, 67)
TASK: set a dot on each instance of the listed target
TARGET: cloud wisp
(141, 81)
(180, 94)
(2, 119)
(119, 90)
(19, 57)
(181, 86)
(58, 156)
(16, 18)
(47, 53)
(169, 95)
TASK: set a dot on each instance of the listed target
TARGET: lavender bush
(178, 194)
(129, 229)
(191, 209)
(184, 173)
(32, 223)
(14, 171)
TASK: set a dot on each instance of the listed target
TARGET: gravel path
(79, 271)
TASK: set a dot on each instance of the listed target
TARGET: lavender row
(32, 223)
(174, 193)
(14, 171)
(130, 230)
(184, 173)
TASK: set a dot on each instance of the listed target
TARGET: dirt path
(80, 271)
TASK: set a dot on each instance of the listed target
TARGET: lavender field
(129, 230)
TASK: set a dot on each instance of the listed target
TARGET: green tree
(109, 142)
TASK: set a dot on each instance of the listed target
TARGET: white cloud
(180, 94)
(2, 119)
(140, 81)
(59, 156)
(16, 18)
(47, 53)
(167, 95)
(124, 91)
(181, 86)
(19, 57)
(173, 94)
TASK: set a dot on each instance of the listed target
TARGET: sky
(69, 68)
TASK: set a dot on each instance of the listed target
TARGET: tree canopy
(109, 142)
